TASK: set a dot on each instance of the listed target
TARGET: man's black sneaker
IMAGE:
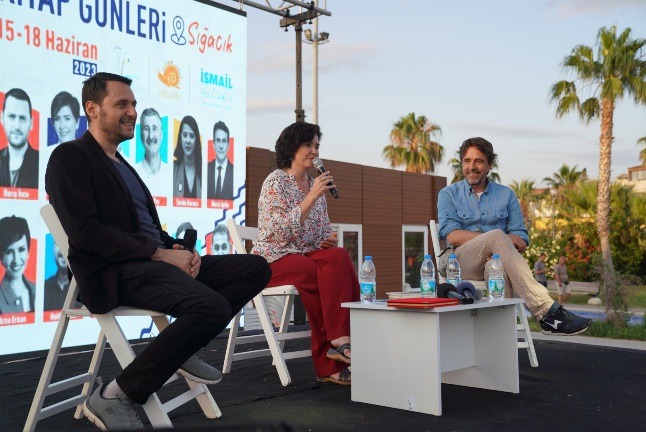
(563, 323)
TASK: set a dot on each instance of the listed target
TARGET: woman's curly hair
(290, 140)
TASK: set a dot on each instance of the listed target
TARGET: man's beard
(19, 145)
(481, 177)
(115, 133)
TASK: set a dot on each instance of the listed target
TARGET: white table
(401, 357)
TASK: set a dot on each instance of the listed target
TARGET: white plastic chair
(525, 334)
(111, 332)
(275, 339)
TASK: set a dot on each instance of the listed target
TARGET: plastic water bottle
(496, 282)
(453, 270)
(427, 277)
(368, 281)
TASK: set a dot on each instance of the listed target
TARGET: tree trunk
(603, 210)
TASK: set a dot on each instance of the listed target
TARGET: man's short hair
(63, 99)
(221, 229)
(481, 144)
(149, 112)
(221, 126)
(19, 94)
(12, 229)
(95, 88)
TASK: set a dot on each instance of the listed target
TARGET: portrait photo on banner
(220, 170)
(67, 121)
(187, 161)
(151, 154)
(18, 279)
(19, 145)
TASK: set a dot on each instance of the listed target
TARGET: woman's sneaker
(564, 323)
(111, 414)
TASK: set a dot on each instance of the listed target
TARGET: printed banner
(188, 64)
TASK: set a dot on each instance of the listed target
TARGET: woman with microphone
(296, 238)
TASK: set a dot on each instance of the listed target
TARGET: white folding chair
(111, 332)
(275, 339)
(522, 327)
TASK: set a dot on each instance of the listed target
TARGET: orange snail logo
(170, 75)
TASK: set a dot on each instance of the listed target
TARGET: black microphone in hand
(318, 164)
(468, 290)
(447, 290)
(190, 237)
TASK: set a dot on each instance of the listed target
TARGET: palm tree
(412, 145)
(619, 69)
(566, 176)
(525, 193)
(642, 153)
(456, 167)
(580, 200)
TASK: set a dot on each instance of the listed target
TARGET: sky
(474, 68)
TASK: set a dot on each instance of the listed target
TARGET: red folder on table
(421, 303)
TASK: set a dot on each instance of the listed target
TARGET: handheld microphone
(190, 237)
(447, 290)
(318, 164)
(468, 290)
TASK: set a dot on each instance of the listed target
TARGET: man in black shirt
(120, 255)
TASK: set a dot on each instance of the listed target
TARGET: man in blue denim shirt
(479, 218)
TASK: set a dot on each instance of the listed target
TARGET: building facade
(380, 212)
(635, 177)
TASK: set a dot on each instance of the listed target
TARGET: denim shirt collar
(470, 190)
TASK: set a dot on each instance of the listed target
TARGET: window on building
(415, 246)
(351, 240)
(638, 175)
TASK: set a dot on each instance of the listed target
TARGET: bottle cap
(495, 256)
(427, 257)
(453, 256)
(368, 258)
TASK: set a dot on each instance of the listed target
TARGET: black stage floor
(575, 388)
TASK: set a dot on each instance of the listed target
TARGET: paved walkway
(595, 341)
(600, 309)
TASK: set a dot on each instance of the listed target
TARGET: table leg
(494, 349)
(396, 360)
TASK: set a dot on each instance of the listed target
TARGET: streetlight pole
(300, 113)
(315, 71)
(311, 12)
(315, 39)
(297, 21)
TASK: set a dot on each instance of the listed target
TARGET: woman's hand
(320, 185)
(329, 242)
